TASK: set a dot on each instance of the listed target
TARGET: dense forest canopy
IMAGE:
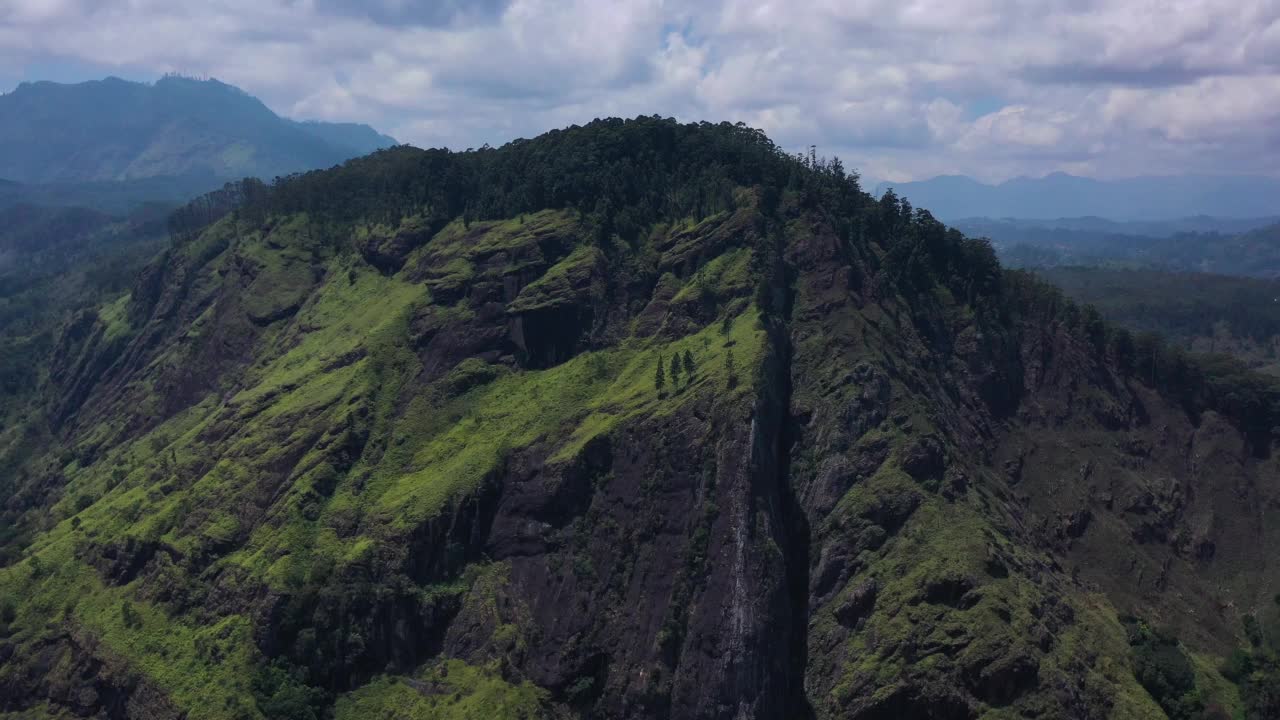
(1251, 253)
(622, 176)
(1201, 311)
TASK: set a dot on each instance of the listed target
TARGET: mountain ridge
(114, 129)
(1060, 195)
(992, 227)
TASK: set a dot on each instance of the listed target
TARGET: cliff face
(988, 500)
(426, 469)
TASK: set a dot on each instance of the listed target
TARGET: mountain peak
(116, 129)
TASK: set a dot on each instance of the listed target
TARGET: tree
(1122, 348)
(730, 369)
(598, 366)
(129, 616)
(1094, 329)
(1146, 351)
(688, 365)
(675, 369)
(280, 692)
(660, 378)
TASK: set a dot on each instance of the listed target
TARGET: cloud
(991, 88)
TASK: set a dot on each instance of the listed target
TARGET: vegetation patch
(450, 690)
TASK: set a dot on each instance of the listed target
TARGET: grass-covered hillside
(630, 420)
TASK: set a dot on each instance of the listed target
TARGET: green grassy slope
(203, 485)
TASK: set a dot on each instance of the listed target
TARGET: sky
(900, 90)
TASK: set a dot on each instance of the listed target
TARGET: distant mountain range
(1072, 239)
(1009, 230)
(116, 130)
(1060, 195)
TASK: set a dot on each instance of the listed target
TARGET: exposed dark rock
(955, 591)
(857, 603)
(838, 473)
(999, 681)
(996, 565)
(1075, 524)
(73, 672)
(1013, 470)
(912, 702)
(120, 562)
(870, 405)
(955, 483)
(388, 250)
(924, 459)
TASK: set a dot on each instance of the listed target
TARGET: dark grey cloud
(1149, 76)
(425, 13)
(992, 88)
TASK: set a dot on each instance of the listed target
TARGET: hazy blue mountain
(1006, 229)
(1074, 239)
(1067, 196)
(115, 197)
(356, 136)
(112, 129)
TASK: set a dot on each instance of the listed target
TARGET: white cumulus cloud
(990, 88)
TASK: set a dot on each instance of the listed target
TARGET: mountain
(1060, 195)
(362, 139)
(112, 129)
(629, 420)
